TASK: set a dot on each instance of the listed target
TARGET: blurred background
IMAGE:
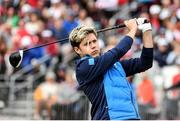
(45, 86)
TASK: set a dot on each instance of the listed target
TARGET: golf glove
(143, 26)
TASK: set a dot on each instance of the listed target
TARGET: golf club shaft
(66, 39)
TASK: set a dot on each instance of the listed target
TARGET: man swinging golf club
(102, 77)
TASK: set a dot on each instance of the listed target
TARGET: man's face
(89, 46)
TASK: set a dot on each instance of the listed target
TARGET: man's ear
(77, 50)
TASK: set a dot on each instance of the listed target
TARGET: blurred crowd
(28, 23)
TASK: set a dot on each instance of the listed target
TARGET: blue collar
(86, 56)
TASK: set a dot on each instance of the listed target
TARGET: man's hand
(147, 35)
(132, 26)
(143, 26)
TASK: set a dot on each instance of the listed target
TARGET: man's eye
(94, 41)
(85, 44)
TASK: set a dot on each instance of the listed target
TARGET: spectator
(57, 9)
(146, 97)
(70, 22)
(58, 30)
(45, 95)
(34, 25)
(68, 96)
(12, 19)
(145, 92)
(18, 35)
(162, 51)
(84, 19)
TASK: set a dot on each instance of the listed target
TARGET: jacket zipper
(133, 104)
(132, 99)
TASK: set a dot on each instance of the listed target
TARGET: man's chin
(95, 55)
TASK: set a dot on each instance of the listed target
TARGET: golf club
(16, 57)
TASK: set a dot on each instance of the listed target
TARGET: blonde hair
(79, 33)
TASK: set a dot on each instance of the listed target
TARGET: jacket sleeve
(137, 65)
(90, 69)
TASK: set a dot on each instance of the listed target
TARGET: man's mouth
(94, 52)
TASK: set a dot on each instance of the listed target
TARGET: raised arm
(143, 63)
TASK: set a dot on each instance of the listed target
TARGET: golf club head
(15, 58)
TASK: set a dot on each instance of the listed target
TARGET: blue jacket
(103, 80)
